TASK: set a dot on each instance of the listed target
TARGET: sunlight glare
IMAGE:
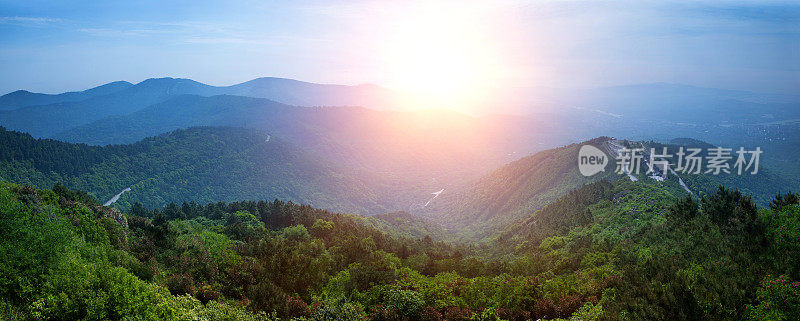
(444, 56)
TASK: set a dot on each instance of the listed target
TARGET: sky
(449, 47)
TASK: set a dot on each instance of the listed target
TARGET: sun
(444, 56)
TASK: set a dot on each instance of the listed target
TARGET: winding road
(116, 197)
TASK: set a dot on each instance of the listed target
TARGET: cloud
(36, 21)
(110, 32)
(223, 40)
(189, 32)
(187, 29)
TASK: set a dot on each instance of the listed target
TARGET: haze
(430, 49)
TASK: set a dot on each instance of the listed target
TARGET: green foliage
(783, 234)
(731, 209)
(60, 264)
(778, 299)
(35, 235)
(405, 302)
(683, 210)
(337, 312)
(322, 228)
(73, 196)
(202, 164)
(78, 290)
(639, 253)
(781, 200)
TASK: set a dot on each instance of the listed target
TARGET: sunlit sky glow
(448, 50)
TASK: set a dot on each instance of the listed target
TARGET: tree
(683, 210)
(782, 200)
(173, 212)
(138, 210)
(732, 210)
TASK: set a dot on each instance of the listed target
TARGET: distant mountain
(676, 102)
(300, 93)
(690, 142)
(181, 111)
(201, 164)
(24, 98)
(45, 120)
(638, 99)
(660, 111)
(645, 111)
(53, 115)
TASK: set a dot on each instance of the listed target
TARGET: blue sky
(54, 46)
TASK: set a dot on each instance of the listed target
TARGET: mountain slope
(514, 190)
(199, 164)
(666, 257)
(519, 189)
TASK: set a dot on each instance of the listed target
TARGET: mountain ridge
(23, 98)
(47, 119)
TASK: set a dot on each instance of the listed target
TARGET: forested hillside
(607, 251)
(510, 193)
(514, 190)
(200, 164)
(226, 164)
(761, 186)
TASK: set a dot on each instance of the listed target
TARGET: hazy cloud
(28, 20)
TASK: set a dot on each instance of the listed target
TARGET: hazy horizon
(748, 45)
(379, 85)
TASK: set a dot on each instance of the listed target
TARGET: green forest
(609, 250)
(202, 164)
(231, 223)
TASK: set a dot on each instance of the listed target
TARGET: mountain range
(210, 193)
(366, 134)
(43, 115)
(209, 164)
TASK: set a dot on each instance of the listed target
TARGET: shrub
(382, 313)
(778, 299)
(457, 314)
(180, 284)
(296, 307)
(345, 311)
(206, 293)
(78, 290)
(406, 302)
(430, 314)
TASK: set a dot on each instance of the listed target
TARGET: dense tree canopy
(608, 250)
